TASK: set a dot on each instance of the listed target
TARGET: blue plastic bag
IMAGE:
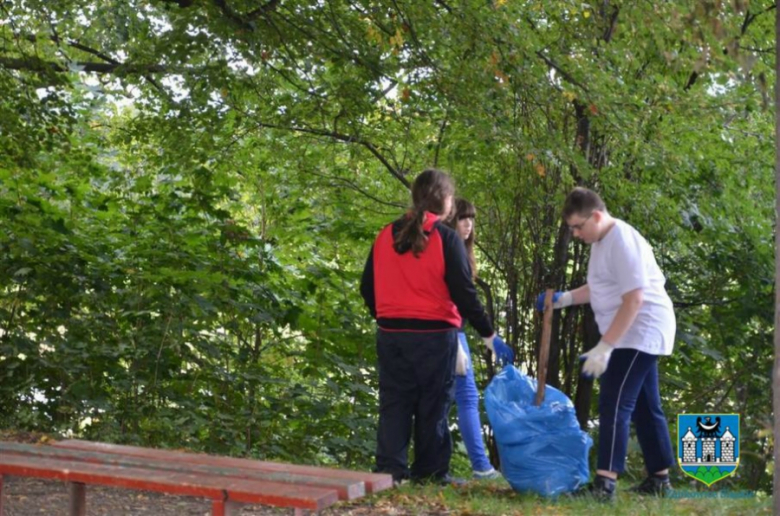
(542, 449)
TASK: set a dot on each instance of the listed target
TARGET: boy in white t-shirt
(636, 319)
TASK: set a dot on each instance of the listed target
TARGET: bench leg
(78, 499)
(1, 494)
(222, 508)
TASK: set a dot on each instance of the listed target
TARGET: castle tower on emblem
(689, 446)
(708, 449)
(727, 446)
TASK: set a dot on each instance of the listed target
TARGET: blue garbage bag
(542, 449)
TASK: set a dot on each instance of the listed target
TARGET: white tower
(708, 449)
(727, 446)
(689, 446)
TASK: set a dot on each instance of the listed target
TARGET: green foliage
(188, 192)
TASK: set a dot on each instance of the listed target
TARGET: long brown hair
(430, 191)
(465, 210)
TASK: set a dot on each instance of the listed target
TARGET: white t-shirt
(620, 262)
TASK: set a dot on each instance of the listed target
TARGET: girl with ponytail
(417, 284)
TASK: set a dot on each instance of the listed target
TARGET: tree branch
(691, 80)
(35, 64)
(357, 188)
(768, 50)
(398, 174)
(78, 46)
(443, 4)
(233, 16)
(262, 10)
(689, 304)
(245, 20)
(750, 18)
(561, 71)
(610, 30)
(181, 3)
(440, 139)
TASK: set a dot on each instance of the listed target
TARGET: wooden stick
(544, 347)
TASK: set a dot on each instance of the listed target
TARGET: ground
(34, 497)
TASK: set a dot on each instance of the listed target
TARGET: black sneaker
(653, 486)
(601, 489)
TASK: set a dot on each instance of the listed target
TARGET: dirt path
(24, 496)
(34, 497)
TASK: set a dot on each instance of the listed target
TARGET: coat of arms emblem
(708, 445)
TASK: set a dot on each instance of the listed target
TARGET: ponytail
(430, 192)
(411, 235)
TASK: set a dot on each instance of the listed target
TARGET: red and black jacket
(426, 292)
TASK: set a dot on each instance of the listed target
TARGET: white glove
(596, 359)
(563, 301)
(462, 362)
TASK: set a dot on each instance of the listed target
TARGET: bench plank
(374, 482)
(346, 488)
(219, 488)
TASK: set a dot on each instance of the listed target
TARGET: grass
(498, 498)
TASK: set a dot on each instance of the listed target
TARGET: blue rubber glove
(560, 300)
(502, 354)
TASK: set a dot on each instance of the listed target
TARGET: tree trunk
(776, 371)
(591, 337)
(557, 282)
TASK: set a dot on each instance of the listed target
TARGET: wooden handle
(544, 346)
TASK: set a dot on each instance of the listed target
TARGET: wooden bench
(227, 482)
